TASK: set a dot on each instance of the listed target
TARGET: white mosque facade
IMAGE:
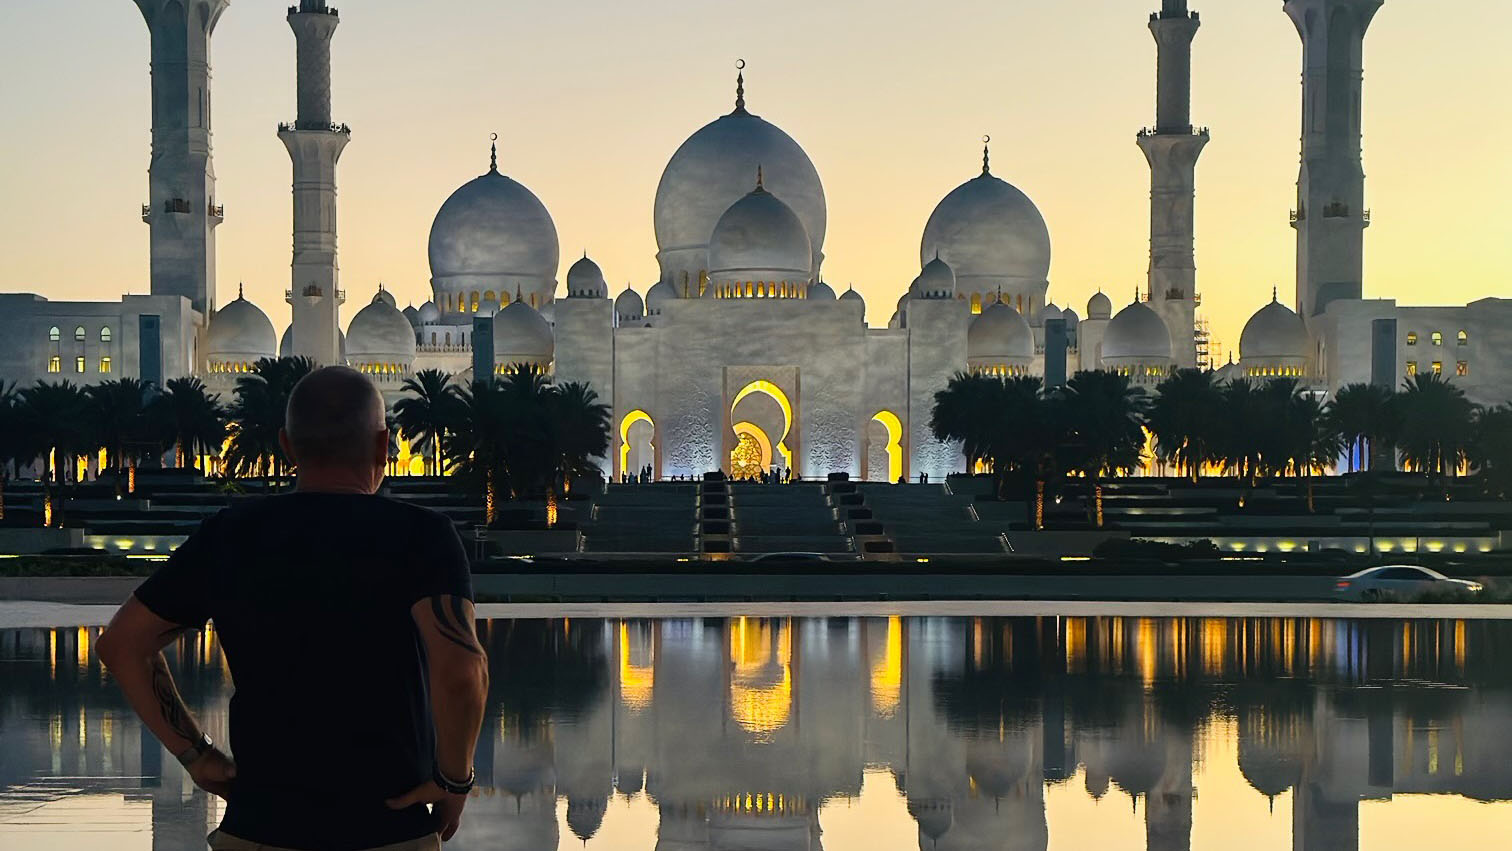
(740, 353)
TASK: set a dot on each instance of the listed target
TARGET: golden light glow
(772, 390)
(635, 416)
(894, 426)
(761, 684)
(637, 681)
(747, 456)
(887, 673)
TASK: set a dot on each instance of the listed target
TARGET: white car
(1398, 582)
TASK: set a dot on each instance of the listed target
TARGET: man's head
(336, 432)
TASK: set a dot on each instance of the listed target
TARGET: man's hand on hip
(446, 808)
(214, 772)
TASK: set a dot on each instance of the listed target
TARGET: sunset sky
(590, 98)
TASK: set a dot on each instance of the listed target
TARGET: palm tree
(1437, 425)
(1310, 443)
(257, 415)
(190, 418)
(426, 412)
(118, 414)
(580, 430)
(1491, 450)
(10, 439)
(1184, 416)
(1239, 430)
(476, 446)
(53, 422)
(961, 413)
(1364, 415)
(1103, 414)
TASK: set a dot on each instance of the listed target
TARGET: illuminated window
(1464, 338)
(1412, 338)
(976, 302)
(1462, 368)
(1438, 338)
(433, 338)
(54, 334)
(105, 366)
(79, 365)
(1438, 367)
(105, 334)
(54, 364)
(79, 333)
(475, 301)
(1412, 367)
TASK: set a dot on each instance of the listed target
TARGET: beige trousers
(223, 841)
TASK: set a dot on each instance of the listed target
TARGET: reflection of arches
(894, 446)
(775, 392)
(631, 419)
(752, 454)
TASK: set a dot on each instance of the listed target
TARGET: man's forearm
(458, 699)
(151, 691)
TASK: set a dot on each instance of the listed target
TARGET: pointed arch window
(54, 334)
(105, 333)
(79, 333)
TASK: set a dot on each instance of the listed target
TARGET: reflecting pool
(869, 734)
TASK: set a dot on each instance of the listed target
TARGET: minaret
(181, 209)
(1172, 147)
(315, 144)
(1330, 217)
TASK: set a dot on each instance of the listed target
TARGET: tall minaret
(315, 144)
(181, 207)
(1172, 147)
(1330, 217)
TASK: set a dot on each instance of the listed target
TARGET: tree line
(1100, 424)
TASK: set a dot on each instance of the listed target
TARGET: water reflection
(742, 733)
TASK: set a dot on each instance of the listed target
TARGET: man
(347, 622)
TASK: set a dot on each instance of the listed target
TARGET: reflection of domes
(1137, 333)
(992, 235)
(429, 313)
(1275, 331)
(522, 335)
(712, 170)
(1099, 306)
(585, 816)
(820, 291)
(240, 332)
(493, 234)
(628, 306)
(760, 238)
(999, 334)
(586, 280)
(935, 816)
(379, 333)
(937, 281)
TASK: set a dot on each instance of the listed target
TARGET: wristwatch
(452, 787)
(188, 755)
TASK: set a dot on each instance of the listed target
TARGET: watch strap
(187, 756)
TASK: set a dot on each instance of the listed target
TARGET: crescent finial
(740, 65)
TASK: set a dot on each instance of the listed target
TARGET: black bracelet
(452, 788)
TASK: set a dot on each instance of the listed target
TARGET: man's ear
(380, 448)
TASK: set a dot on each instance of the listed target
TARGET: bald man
(347, 621)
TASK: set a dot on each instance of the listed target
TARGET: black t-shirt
(311, 597)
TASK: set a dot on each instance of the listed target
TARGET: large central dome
(993, 236)
(711, 171)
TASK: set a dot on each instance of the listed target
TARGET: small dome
(628, 306)
(429, 313)
(1274, 332)
(1048, 312)
(586, 280)
(240, 332)
(379, 333)
(850, 294)
(820, 291)
(494, 235)
(760, 239)
(937, 281)
(522, 335)
(657, 296)
(412, 316)
(999, 335)
(1071, 318)
(387, 297)
(1099, 306)
(548, 313)
(1137, 333)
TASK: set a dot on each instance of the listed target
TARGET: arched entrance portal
(637, 436)
(884, 448)
(763, 409)
(752, 454)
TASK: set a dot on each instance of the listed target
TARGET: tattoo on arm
(172, 705)
(454, 624)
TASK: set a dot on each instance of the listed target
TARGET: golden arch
(635, 416)
(760, 437)
(772, 390)
(894, 426)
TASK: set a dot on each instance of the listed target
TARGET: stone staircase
(924, 519)
(642, 518)
(794, 517)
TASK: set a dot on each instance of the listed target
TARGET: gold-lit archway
(635, 416)
(752, 454)
(772, 390)
(894, 426)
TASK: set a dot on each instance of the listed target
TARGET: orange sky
(591, 97)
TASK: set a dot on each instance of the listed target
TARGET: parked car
(1398, 582)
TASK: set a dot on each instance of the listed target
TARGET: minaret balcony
(1188, 130)
(313, 7)
(321, 126)
(314, 291)
(217, 212)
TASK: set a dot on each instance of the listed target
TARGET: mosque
(740, 356)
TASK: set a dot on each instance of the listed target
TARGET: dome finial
(239, 286)
(986, 167)
(493, 154)
(1000, 295)
(519, 296)
(740, 85)
(1273, 295)
(759, 183)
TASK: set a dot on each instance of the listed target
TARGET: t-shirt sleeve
(179, 591)
(443, 567)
